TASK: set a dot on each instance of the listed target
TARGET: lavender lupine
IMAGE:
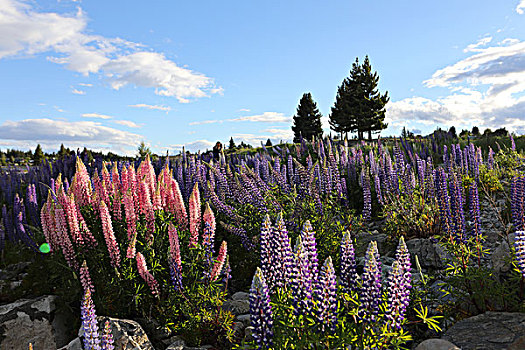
(348, 268)
(519, 245)
(325, 297)
(310, 247)
(268, 251)
(474, 209)
(89, 323)
(367, 196)
(285, 250)
(397, 301)
(302, 283)
(370, 293)
(261, 312)
(107, 337)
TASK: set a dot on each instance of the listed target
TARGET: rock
(28, 321)
(439, 288)
(501, 258)
(238, 327)
(244, 319)
(364, 238)
(248, 333)
(241, 296)
(127, 334)
(75, 344)
(176, 344)
(436, 344)
(237, 307)
(430, 254)
(490, 331)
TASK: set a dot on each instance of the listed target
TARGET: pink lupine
(72, 219)
(130, 253)
(115, 179)
(48, 226)
(116, 206)
(81, 184)
(195, 215)
(100, 189)
(209, 218)
(146, 173)
(146, 275)
(85, 278)
(129, 211)
(132, 182)
(157, 200)
(221, 258)
(63, 238)
(111, 241)
(106, 179)
(86, 233)
(144, 200)
(174, 245)
(178, 204)
(124, 184)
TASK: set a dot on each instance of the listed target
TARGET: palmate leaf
(431, 322)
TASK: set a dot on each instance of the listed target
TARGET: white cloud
(78, 92)
(195, 146)
(244, 110)
(143, 105)
(476, 46)
(127, 123)
(520, 7)
(206, 122)
(52, 133)
(85, 84)
(96, 115)
(266, 117)
(25, 31)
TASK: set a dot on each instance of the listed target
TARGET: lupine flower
(367, 196)
(81, 184)
(63, 238)
(371, 287)
(85, 278)
(348, 270)
(72, 219)
(89, 322)
(308, 241)
(129, 212)
(107, 337)
(146, 275)
(261, 312)
(302, 283)
(209, 218)
(268, 251)
(109, 236)
(398, 296)
(239, 232)
(519, 245)
(221, 258)
(474, 209)
(195, 215)
(132, 247)
(285, 254)
(325, 296)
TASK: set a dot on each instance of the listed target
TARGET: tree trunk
(369, 135)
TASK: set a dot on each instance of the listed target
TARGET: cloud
(244, 110)
(65, 37)
(195, 146)
(520, 7)
(85, 84)
(487, 89)
(475, 47)
(52, 133)
(206, 122)
(96, 115)
(266, 117)
(127, 123)
(78, 92)
(143, 105)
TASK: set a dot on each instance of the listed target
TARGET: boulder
(430, 254)
(364, 238)
(241, 296)
(127, 334)
(490, 331)
(237, 307)
(500, 258)
(436, 344)
(30, 321)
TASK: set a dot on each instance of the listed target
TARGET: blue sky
(109, 74)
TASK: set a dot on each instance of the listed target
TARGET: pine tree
(269, 143)
(38, 156)
(232, 144)
(359, 106)
(307, 120)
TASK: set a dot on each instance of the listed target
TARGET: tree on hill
(38, 156)
(307, 120)
(452, 132)
(143, 150)
(269, 143)
(231, 144)
(475, 131)
(359, 106)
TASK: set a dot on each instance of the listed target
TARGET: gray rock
(500, 258)
(430, 254)
(241, 296)
(127, 334)
(75, 344)
(176, 344)
(237, 307)
(364, 238)
(436, 344)
(244, 319)
(248, 333)
(490, 331)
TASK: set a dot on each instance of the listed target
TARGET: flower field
(320, 234)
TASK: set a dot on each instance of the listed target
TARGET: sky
(109, 74)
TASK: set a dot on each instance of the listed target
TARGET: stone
(436, 344)
(248, 333)
(490, 331)
(30, 321)
(244, 319)
(237, 307)
(176, 344)
(241, 296)
(75, 344)
(430, 254)
(364, 238)
(501, 258)
(127, 334)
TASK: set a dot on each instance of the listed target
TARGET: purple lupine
(239, 232)
(474, 209)
(370, 293)
(269, 250)
(302, 282)
(89, 323)
(285, 251)
(517, 202)
(348, 269)
(512, 143)
(367, 196)
(456, 207)
(310, 247)
(325, 296)
(398, 297)
(261, 312)
(107, 337)
(519, 245)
